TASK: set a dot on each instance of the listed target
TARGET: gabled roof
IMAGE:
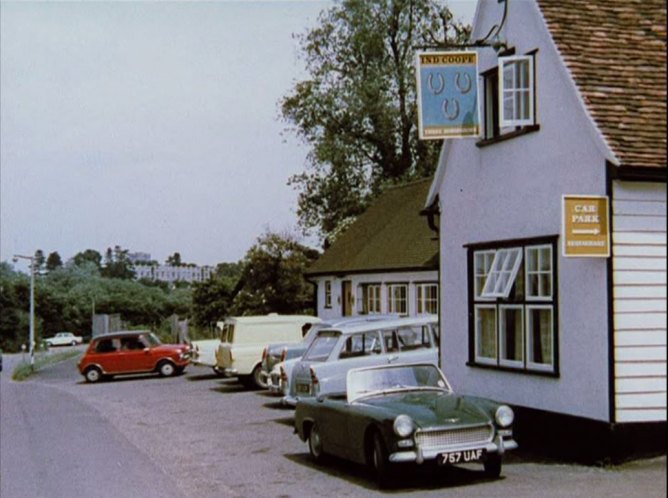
(616, 53)
(390, 235)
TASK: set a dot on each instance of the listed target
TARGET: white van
(244, 338)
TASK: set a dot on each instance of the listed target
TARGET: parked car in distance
(243, 339)
(404, 413)
(334, 351)
(204, 351)
(278, 353)
(63, 339)
(132, 352)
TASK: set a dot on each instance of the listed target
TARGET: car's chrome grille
(439, 438)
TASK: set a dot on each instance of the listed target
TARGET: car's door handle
(392, 358)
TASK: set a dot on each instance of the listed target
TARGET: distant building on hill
(145, 268)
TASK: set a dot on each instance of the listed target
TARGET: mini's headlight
(403, 426)
(504, 416)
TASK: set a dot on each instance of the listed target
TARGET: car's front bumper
(419, 455)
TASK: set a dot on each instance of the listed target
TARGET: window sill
(507, 136)
(537, 373)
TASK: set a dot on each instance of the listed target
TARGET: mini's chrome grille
(439, 438)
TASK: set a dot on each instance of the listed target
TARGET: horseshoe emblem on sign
(441, 86)
(451, 115)
(468, 84)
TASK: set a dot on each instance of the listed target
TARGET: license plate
(466, 456)
(303, 388)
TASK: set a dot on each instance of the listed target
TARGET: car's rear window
(227, 335)
(322, 346)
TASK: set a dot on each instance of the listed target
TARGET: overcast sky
(149, 125)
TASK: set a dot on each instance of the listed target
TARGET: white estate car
(63, 339)
(244, 338)
(334, 351)
(204, 353)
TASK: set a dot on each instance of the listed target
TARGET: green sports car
(394, 414)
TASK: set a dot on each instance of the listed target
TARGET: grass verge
(24, 370)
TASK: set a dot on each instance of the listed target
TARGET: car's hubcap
(315, 443)
(167, 369)
(93, 375)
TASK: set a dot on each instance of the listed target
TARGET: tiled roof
(616, 52)
(390, 235)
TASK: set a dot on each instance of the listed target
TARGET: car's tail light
(314, 377)
(264, 354)
(284, 376)
(284, 354)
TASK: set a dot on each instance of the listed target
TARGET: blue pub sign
(447, 92)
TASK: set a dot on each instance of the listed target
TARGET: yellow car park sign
(586, 226)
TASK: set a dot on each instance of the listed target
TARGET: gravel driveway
(215, 439)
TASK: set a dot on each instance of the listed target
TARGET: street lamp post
(32, 305)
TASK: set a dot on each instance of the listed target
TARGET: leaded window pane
(539, 328)
(485, 323)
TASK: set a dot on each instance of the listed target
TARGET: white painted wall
(513, 189)
(410, 278)
(639, 290)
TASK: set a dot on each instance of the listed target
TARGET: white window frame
(392, 302)
(328, 293)
(422, 298)
(481, 274)
(373, 298)
(546, 367)
(517, 299)
(478, 340)
(511, 62)
(502, 336)
(530, 296)
(502, 275)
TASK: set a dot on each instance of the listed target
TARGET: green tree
(88, 256)
(357, 109)
(10, 317)
(117, 264)
(53, 261)
(39, 260)
(273, 277)
(212, 299)
(174, 259)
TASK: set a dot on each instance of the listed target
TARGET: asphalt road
(197, 435)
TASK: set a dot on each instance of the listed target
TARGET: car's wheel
(258, 378)
(380, 465)
(93, 374)
(493, 466)
(73, 343)
(166, 369)
(315, 444)
(218, 371)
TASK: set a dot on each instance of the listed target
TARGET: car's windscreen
(151, 339)
(398, 377)
(322, 346)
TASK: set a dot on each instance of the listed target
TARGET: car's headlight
(504, 416)
(403, 426)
